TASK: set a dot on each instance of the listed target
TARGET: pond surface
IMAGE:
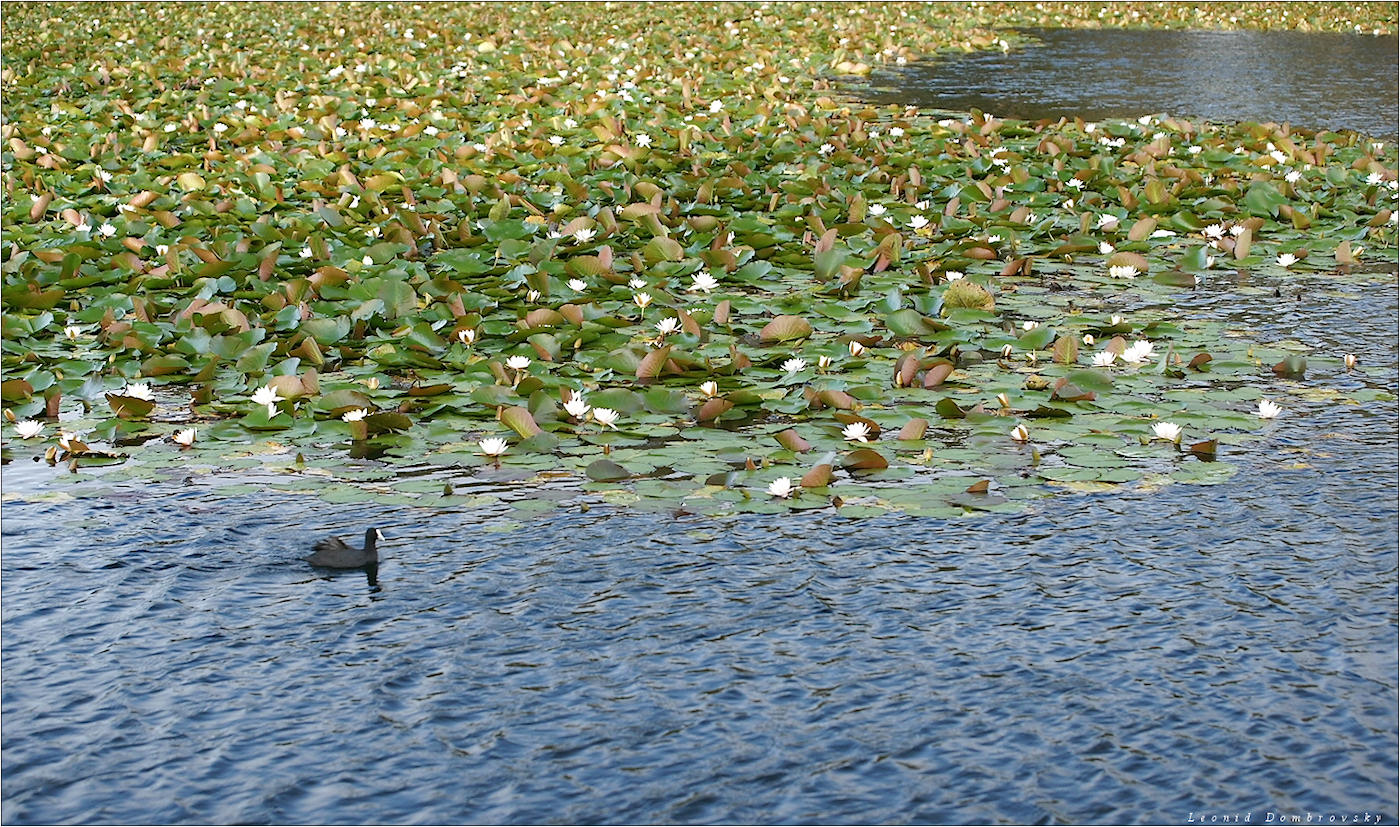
(1320, 81)
(1143, 656)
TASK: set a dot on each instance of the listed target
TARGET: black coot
(333, 553)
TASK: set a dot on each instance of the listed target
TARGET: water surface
(1136, 657)
(1321, 81)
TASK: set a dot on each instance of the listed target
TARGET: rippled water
(1322, 81)
(1134, 657)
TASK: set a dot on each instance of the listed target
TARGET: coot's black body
(333, 553)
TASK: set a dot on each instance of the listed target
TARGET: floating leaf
(792, 441)
(387, 422)
(1292, 367)
(865, 459)
(1066, 350)
(820, 475)
(913, 429)
(948, 409)
(785, 329)
(937, 374)
(518, 419)
(712, 409)
(1205, 450)
(651, 366)
(605, 470)
(130, 407)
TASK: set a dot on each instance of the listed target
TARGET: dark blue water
(1316, 80)
(1149, 656)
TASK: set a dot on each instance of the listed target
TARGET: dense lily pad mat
(660, 257)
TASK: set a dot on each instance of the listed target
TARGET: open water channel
(1149, 655)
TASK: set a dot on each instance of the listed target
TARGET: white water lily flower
(1286, 259)
(493, 446)
(518, 362)
(267, 395)
(1123, 271)
(1107, 222)
(1293, 176)
(856, 348)
(952, 275)
(643, 139)
(1020, 434)
(825, 149)
(1075, 183)
(555, 140)
(584, 234)
(139, 391)
(641, 300)
(1104, 358)
(823, 361)
(606, 417)
(716, 105)
(532, 296)
(1237, 229)
(1167, 431)
(1003, 400)
(1268, 409)
(305, 252)
(709, 387)
(1006, 351)
(781, 487)
(794, 364)
(1349, 360)
(896, 132)
(354, 415)
(668, 325)
(28, 428)
(466, 335)
(856, 432)
(577, 285)
(1213, 231)
(107, 230)
(72, 332)
(1105, 248)
(703, 281)
(184, 437)
(877, 210)
(1088, 339)
(1138, 352)
(367, 261)
(1029, 325)
(918, 222)
(921, 205)
(636, 283)
(576, 407)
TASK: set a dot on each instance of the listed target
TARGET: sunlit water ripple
(1129, 657)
